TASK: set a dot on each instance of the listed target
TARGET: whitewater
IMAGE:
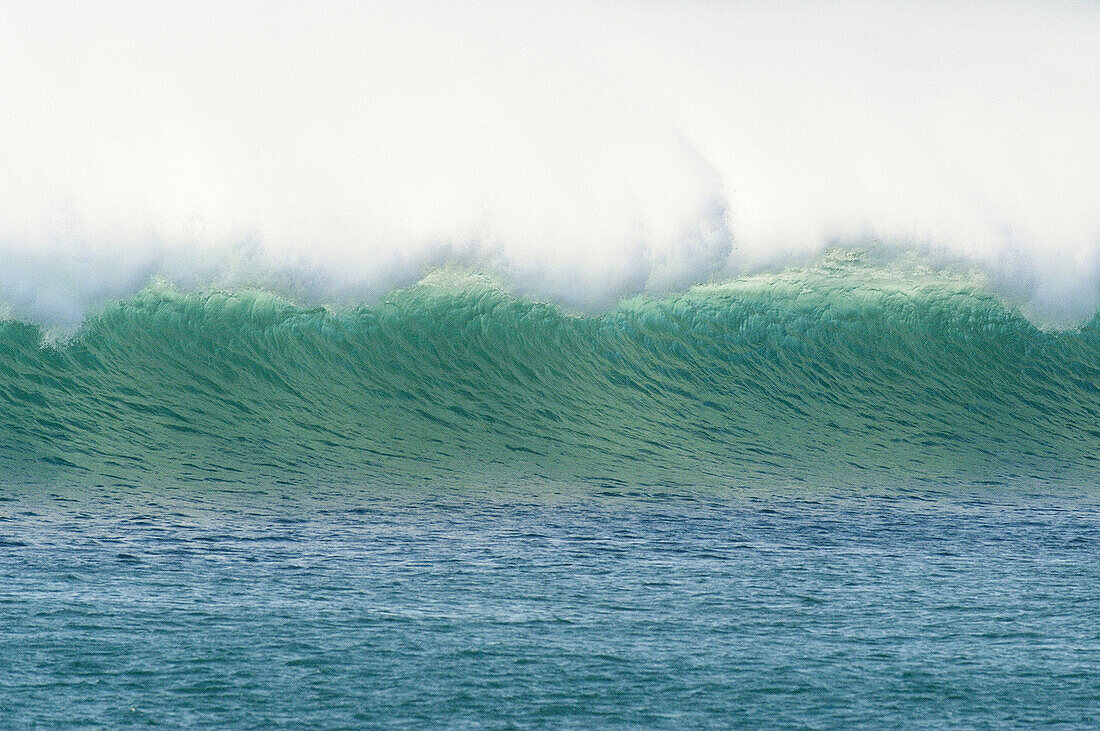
(625, 364)
(579, 152)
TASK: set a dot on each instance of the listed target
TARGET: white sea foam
(579, 151)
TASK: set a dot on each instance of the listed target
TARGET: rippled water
(545, 604)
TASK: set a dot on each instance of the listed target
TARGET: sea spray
(581, 152)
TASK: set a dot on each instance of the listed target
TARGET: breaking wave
(838, 371)
(580, 152)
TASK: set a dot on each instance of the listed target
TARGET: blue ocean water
(552, 606)
(829, 497)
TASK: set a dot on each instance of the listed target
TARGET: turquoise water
(844, 372)
(552, 606)
(832, 496)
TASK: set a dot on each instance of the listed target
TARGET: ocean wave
(838, 371)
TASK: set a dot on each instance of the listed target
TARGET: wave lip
(842, 371)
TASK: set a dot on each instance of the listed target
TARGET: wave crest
(583, 151)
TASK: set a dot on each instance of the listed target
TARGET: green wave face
(813, 375)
